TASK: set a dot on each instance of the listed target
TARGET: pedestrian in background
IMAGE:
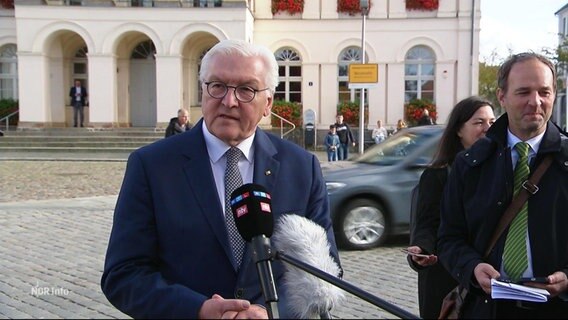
(425, 120)
(482, 184)
(332, 144)
(469, 121)
(78, 95)
(400, 124)
(179, 124)
(379, 133)
(345, 137)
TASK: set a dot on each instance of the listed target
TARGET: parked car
(370, 194)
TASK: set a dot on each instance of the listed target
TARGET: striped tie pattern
(515, 255)
(233, 180)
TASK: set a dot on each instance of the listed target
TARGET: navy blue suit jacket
(83, 95)
(169, 250)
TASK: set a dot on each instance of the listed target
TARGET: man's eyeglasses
(218, 90)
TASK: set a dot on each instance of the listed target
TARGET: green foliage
(350, 112)
(291, 111)
(488, 84)
(7, 106)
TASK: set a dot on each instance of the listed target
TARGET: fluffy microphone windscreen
(305, 240)
(251, 207)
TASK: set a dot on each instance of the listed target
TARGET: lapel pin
(267, 172)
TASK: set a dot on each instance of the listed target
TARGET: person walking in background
(379, 133)
(174, 251)
(345, 137)
(469, 120)
(331, 144)
(482, 184)
(425, 120)
(179, 124)
(78, 95)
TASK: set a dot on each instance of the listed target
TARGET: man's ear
(268, 107)
(501, 97)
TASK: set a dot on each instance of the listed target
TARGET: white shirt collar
(534, 142)
(217, 148)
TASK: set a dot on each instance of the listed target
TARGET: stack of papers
(512, 291)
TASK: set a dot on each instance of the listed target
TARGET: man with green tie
(483, 181)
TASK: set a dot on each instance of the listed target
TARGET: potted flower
(351, 7)
(290, 6)
(423, 5)
(7, 4)
(414, 109)
(291, 111)
(350, 112)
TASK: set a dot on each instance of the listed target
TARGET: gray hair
(243, 49)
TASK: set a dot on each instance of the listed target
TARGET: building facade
(560, 115)
(140, 59)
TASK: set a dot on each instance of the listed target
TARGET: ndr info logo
(48, 291)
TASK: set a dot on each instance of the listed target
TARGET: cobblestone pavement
(55, 220)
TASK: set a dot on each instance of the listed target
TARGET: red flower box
(290, 6)
(351, 7)
(424, 5)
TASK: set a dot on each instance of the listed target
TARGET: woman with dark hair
(468, 122)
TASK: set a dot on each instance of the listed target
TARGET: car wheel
(362, 225)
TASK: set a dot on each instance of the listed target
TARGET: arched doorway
(143, 85)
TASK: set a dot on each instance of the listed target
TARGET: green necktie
(515, 256)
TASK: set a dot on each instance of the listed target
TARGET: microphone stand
(261, 253)
(376, 301)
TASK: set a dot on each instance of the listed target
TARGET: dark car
(370, 195)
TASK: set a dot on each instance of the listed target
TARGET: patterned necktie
(515, 259)
(233, 180)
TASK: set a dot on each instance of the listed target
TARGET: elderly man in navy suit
(169, 254)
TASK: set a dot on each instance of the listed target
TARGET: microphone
(309, 297)
(299, 239)
(251, 207)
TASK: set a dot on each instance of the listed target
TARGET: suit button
(239, 293)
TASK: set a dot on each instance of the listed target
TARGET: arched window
(199, 86)
(8, 72)
(144, 50)
(290, 76)
(419, 71)
(80, 69)
(348, 56)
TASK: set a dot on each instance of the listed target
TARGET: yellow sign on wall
(363, 73)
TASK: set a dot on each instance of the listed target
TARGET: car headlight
(332, 186)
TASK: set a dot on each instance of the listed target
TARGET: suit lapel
(197, 170)
(266, 169)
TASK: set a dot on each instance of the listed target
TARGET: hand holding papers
(507, 290)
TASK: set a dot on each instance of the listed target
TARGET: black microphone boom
(303, 238)
(374, 300)
(251, 207)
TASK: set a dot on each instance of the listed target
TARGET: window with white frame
(80, 67)
(419, 71)
(346, 57)
(290, 76)
(8, 72)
